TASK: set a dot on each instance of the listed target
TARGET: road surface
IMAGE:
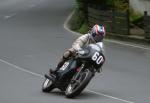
(32, 39)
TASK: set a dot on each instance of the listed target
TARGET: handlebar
(82, 52)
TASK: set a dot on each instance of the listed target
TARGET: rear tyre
(76, 88)
(47, 85)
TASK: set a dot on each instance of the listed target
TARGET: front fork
(78, 73)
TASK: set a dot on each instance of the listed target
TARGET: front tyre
(47, 85)
(75, 88)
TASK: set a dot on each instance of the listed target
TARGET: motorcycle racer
(95, 35)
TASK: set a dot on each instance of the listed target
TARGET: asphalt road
(32, 39)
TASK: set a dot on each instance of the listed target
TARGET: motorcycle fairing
(68, 71)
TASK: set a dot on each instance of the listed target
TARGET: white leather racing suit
(85, 40)
(82, 41)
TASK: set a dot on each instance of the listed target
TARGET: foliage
(103, 2)
(84, 28)
(77, 20)
(135, 17)
(121, 5)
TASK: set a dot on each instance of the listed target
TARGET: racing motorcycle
(77, 72)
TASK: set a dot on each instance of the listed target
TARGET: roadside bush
(77, 20)
(101, 4)
(121, 5)
(79, 17)
(136, 18)
(84, 28)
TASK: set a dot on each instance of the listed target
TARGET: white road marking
(9, 16)
(14, 14)
(39, 75)
(21, 69)
(108, 96)
(65, 25)
(32, 6)
(127, 44)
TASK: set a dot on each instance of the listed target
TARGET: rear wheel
(76, 86)
(47, 85)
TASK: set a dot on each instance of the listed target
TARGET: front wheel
(47, 85)
(76, 87)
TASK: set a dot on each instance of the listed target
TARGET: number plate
(97, 58)
(64, 66)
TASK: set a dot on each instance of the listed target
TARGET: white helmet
(97, 33)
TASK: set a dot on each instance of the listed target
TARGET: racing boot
(52, 71)
(60, 64)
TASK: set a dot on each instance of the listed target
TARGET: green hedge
(84, 28)
(77, 20)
